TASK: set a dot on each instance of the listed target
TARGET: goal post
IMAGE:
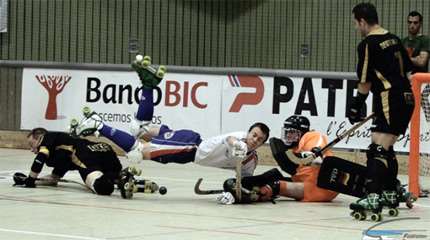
(419, 153)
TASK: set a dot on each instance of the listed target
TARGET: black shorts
(393, 111)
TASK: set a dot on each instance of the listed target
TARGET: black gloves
(21, 179)
(354, 111)
(30, 182)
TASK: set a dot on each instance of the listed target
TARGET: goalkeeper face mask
(291, 136)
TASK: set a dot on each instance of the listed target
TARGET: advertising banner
(51, 98)
(208, 104)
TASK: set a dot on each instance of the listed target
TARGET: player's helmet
(294, 128)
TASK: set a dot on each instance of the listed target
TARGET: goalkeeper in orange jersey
(296, 138)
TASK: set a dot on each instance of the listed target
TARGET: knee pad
(377, 153)
(99, 183)
(393, 164)
(378, 168)
(103, 185)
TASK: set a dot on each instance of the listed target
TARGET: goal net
(419, 154)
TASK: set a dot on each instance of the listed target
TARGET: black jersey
(383, 61)
(60, 150)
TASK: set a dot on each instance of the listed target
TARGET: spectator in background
(417, 44)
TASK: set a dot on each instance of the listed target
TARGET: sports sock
(146, 105)
(120, 138)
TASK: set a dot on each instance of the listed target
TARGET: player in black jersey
(96, 162)
(383, 68)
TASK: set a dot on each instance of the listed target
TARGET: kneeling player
(96, 162)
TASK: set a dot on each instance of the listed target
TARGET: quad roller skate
(127, 182)
(148, 74)
(148, 186)
(371, 204)
(89, 125)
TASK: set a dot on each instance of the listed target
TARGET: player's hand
(239, 149)
(354, 111)
(30, 182)
(354, 116)
(226, 198)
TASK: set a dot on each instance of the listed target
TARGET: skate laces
(370, 202)
(390, 196)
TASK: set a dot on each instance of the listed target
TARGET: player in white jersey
(181, 146)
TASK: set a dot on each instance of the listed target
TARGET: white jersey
(213, 152)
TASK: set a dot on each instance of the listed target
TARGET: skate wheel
(376, 217)
(147, 58)
(149, 187)
(359, 216)
(161, 72)
(146, 63)
(394, 212)
(162, 68)
(139, 58)
(74, 122)
(154, 187)
(135, 171)
(86, 111)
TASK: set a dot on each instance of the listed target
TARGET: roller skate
(371, 203)
(148, 74)
(390, 201)
(404, 196)
(127, 183)
(148, 186)
(90, 124)
(72, 127)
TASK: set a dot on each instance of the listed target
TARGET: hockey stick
(308, 160)
(239, 179)
(64, 181)
(199, 191)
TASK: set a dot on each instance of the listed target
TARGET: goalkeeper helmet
(294, 128)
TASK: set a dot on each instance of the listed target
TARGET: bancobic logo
(54, 85)
(246, 81)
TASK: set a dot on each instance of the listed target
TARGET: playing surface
(69, 211)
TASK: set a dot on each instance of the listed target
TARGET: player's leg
(174, 146)
(267, 177)
(150, 78)
(293, 190)
(97, 181)
(394, 123)
(141, 123)
(93, 122)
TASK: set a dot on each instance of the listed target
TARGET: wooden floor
(69, 211)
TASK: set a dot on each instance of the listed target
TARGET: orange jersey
(309, 174)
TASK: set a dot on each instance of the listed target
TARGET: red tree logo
(54, 85)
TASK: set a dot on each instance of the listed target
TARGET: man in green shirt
(416, 43)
